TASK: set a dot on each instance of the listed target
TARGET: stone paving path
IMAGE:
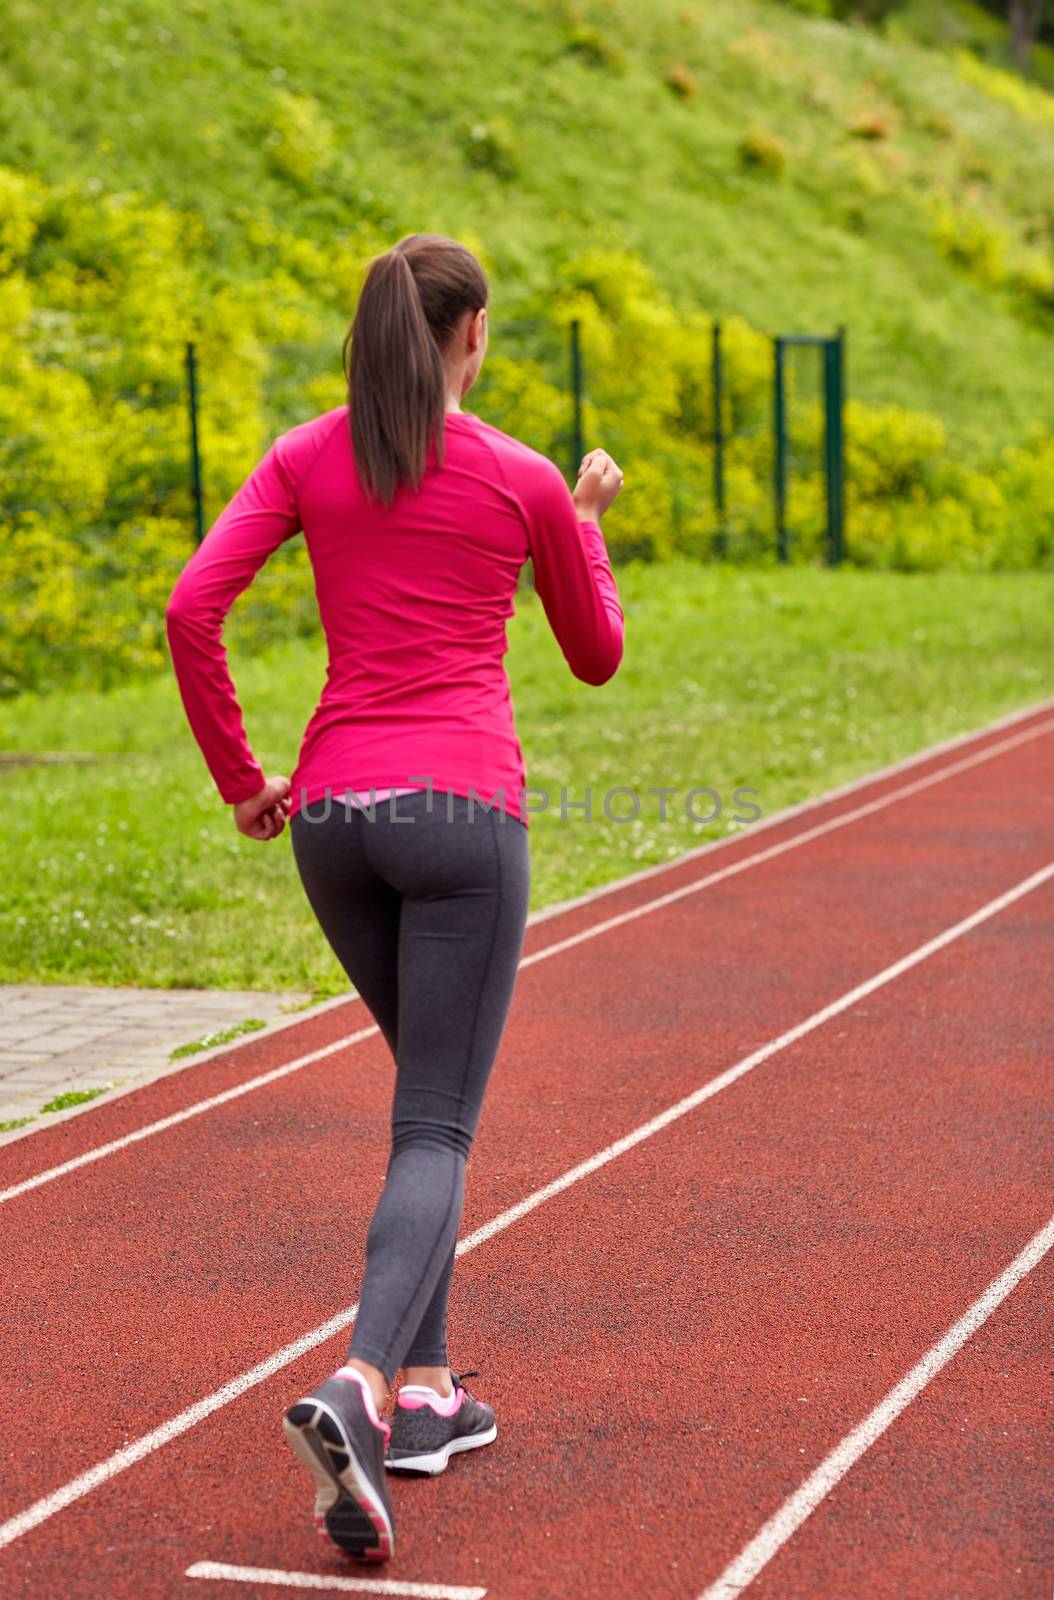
(54, 1039)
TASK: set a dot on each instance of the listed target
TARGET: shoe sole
(348, 1510)
(436, 1460)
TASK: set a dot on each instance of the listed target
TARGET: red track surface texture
(674, 1339)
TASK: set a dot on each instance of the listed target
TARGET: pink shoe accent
(412, 1396)
(367, 1395)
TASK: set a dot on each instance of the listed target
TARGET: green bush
(765, 152)
(914, 507)
(300, 143)
(593, 46)
(681, 81)
(889, 450)
(492, 147)
(98, 299)
(1029, 100)
(974, 245)
(813, 8)
(1027, 472)
(99, 295)
(873, 11)
(872, 124)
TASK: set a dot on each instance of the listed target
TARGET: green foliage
(594, 46)
(99, 298)
(209, 1041)
(872, 11)
(1029, 100)
(522, 399)
(72, 1097)
(603, 157)
(992, 256)
(93, 472)
(300, 144)
(764, 151)
(681, 81)
(207, 190)
(871, 124)
(913, 507)
(812, 8)
(889, 450)
(972, 244)
(492, 147)
(801, 678)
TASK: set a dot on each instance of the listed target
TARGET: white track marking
(316, 1580)
(181, 1116)
(833, 1468)
(560, 908)
(200, 1058)
(592, 932)
(813, 803)
(785, 845)
(748, 1063)
(78, 1487)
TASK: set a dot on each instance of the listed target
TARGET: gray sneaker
(337, 1435)
(427, 1430)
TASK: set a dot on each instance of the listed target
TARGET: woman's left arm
(261, 516)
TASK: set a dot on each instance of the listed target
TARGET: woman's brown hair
(410, 303)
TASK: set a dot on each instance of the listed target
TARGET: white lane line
(78, 1487)
(785, 845)
(560, 908)
(315, 1580)
(593, 932)
(195, 1110)
(748, 1063)
(200, 1058)
(813, 803)
(832, 1469)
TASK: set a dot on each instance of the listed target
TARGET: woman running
(407, 807)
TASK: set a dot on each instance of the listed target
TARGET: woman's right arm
(262, 514)
(572, 570)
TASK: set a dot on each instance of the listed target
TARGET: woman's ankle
(437, 1378)
(378, 1383)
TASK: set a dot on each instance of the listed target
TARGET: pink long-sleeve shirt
(413, 601)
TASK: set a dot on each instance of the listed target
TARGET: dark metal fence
(101, 525)
(832, 382)
(533, 339)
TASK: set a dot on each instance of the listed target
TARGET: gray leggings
(427, 917)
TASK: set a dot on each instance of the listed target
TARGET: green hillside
(221, 172)
(540, 130)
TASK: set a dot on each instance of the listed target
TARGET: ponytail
(410, 303)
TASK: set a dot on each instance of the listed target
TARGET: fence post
(196, 490)
(779, 428)
(577, 446)
(834, 444)
(718, 386)
(835, 447)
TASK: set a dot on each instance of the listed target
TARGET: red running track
(676, 1338)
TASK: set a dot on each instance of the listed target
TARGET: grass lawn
(129, 871)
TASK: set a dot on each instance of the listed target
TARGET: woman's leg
(429, 1348)
(357, 911)
(463, 875)
(359, 914)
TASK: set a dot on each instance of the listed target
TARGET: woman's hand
(599, 481)
(263, 817)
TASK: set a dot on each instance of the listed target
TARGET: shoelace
(458, 1379)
